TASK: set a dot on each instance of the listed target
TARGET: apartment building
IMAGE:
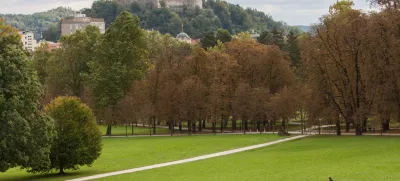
(80, 22)
(28, 40)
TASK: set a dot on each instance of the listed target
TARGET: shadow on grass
(48, 176)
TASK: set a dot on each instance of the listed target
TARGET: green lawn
(314, 158)
(125, 153)
(121, 130)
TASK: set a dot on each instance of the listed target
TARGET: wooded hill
(197, 22)
(43, 22)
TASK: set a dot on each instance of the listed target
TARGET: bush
(78, 139)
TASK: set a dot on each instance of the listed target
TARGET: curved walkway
(189, 159)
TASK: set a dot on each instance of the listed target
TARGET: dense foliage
(43, 23)
(25, 133)
(78, 140)
(197, 22)
(119, 60)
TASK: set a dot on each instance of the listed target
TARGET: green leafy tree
(293, 49)
(104, 9)
(120, 59)
(70, 62)
(278, 37)
(209, 40)
(78, 140)
(223, 36)
(52, 33)
(25, 133)
(266, 38)
(40, 62)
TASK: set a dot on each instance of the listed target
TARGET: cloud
(293, 12)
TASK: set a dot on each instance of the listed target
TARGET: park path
(188, 160)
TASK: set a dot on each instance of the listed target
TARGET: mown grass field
(125, 153)
(346, 158)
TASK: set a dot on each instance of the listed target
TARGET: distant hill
(215, 14)
(38, 22)
(304, 28)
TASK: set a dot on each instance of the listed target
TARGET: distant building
(50, 45)
(181, 3)
(28, 40)
(80, 22)
(183, 37)
(195, 42)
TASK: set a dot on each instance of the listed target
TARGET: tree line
(348, 72)
(35, 139)
(329, 75)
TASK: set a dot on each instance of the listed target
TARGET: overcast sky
(293, 12)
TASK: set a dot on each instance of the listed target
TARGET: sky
(293, 12)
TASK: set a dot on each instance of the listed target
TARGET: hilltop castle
(168, 3)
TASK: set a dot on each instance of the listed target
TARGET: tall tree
(209, 40)
(69, 64)
(293, 48)
(120, 58)
(74, 123)
(337, 63)
(40, 62)
(25, 134)
(266, 38)
(223, 35)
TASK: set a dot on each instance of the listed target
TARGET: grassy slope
(316, 158)
(124, 153)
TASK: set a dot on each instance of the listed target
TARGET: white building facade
(28, 40)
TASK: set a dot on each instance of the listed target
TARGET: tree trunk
(171, 127)
(259, 126)
(269, 125)
(226, 119)
(222, 124)
(358, 128)
(213, 127)
(302, 122)
(126, 129)
(244, 126)
(386, 125)
(180, 127)
(108, 130)
(347, 126)
(189, 127)
(338, 130)
(364, 126)
(132, 128)
(61, 171)
(233, 124)
(204, 124)
(194, 127)
(154, 125)
(200, 126)
(283, 125)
